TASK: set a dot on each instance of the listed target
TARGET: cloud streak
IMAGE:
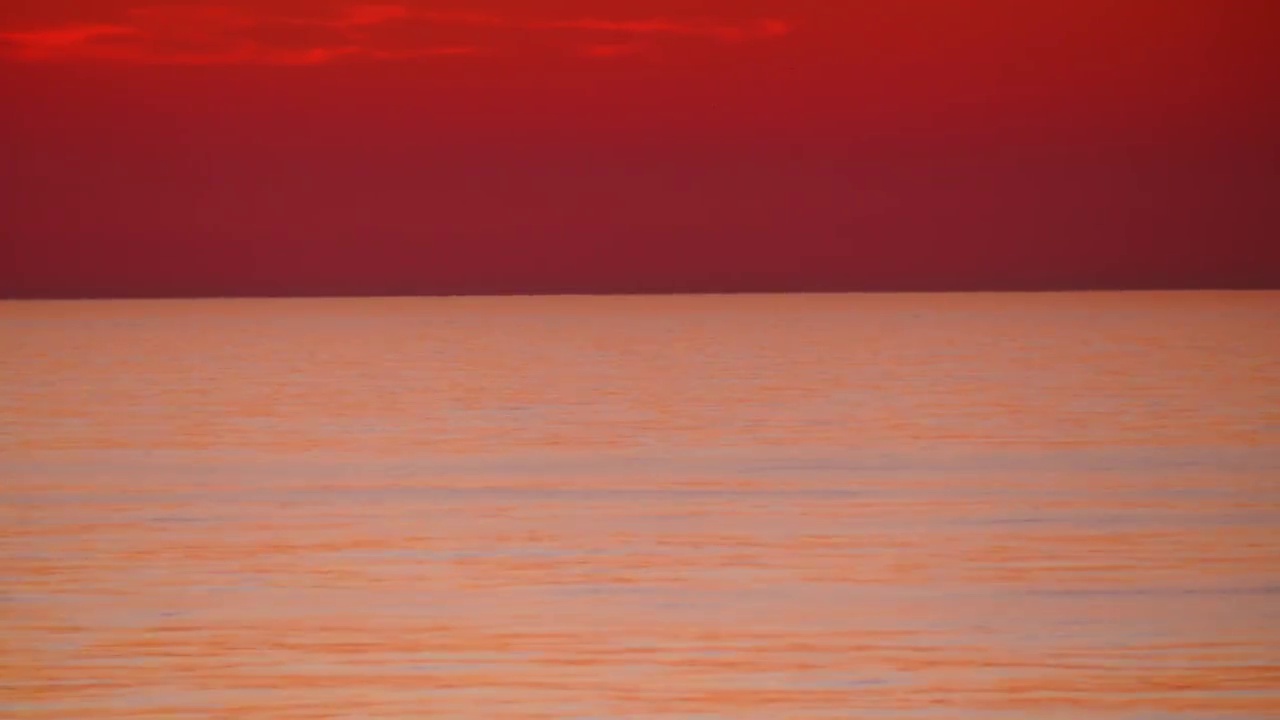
(231, 34)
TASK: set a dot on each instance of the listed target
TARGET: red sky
(291, 147)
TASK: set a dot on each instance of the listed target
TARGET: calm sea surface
(773, 507)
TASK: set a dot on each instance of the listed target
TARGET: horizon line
(52, 297)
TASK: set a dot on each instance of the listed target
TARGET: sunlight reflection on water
(1049, 506)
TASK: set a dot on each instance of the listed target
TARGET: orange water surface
(806, 506)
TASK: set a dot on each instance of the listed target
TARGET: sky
(291, 147)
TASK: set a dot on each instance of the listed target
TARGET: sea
(774, 507)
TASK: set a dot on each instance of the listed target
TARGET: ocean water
(804, 506)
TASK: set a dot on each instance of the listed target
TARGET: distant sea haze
(989, 505)
(642, 267)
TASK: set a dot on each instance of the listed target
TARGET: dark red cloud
(252, 34)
